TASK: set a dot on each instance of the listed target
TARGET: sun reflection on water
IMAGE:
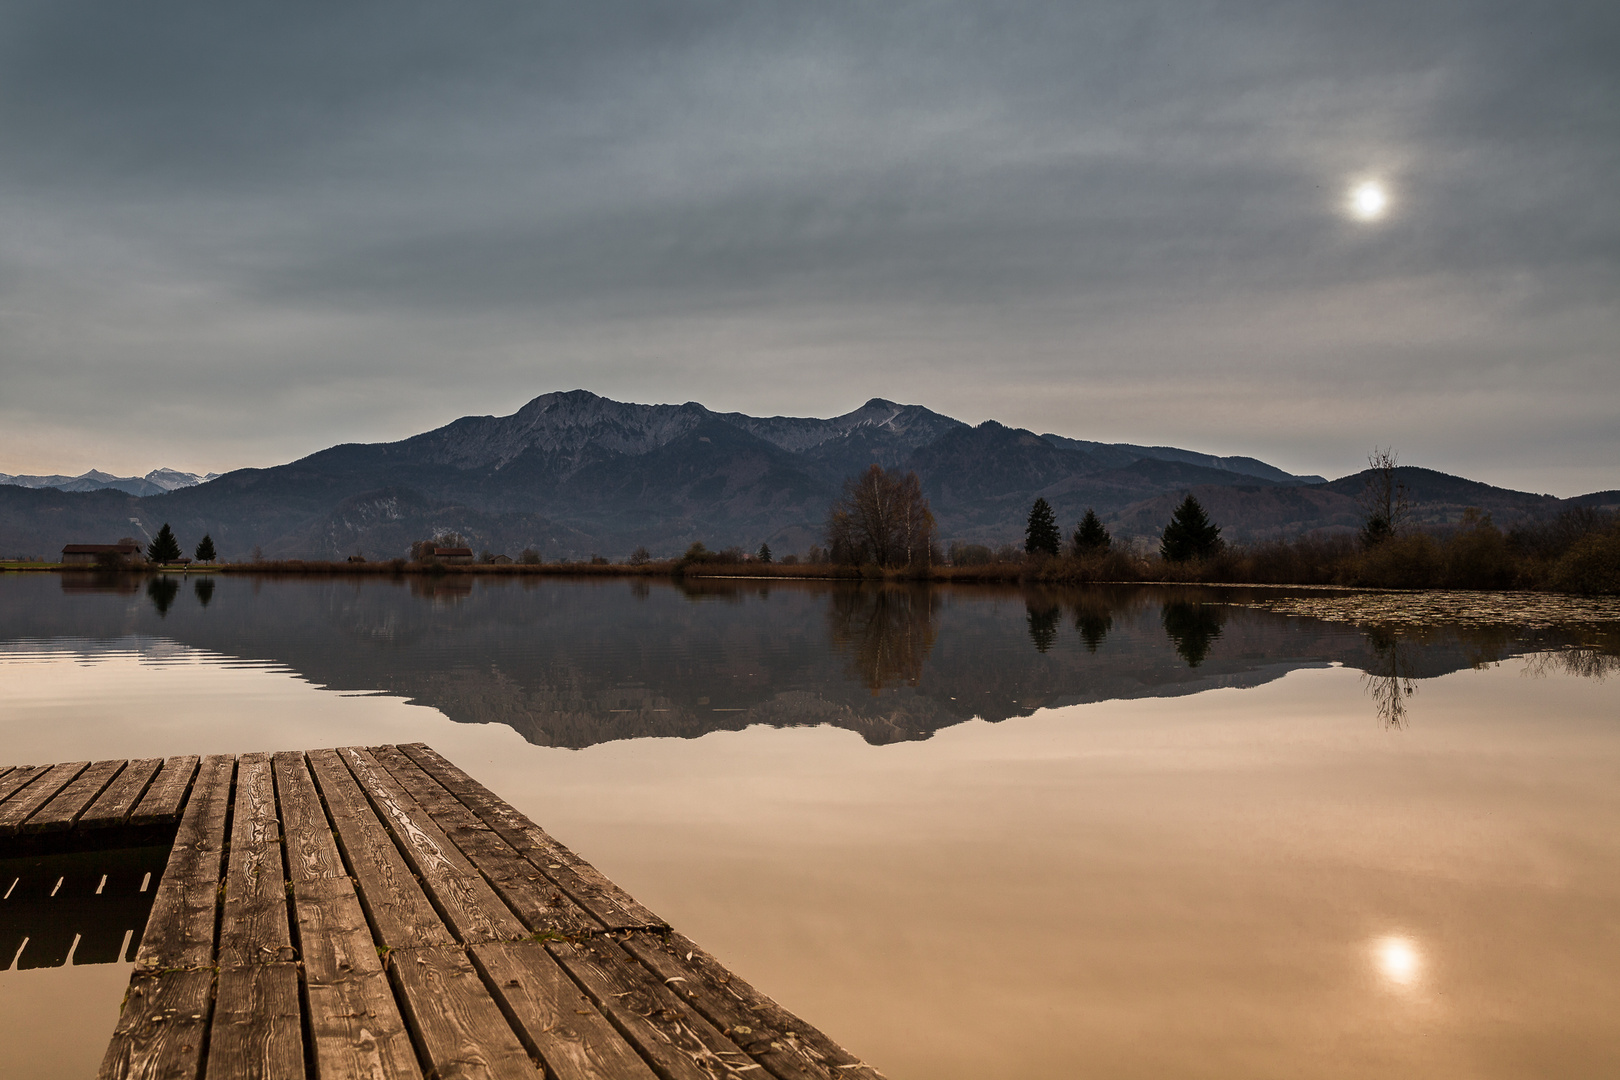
(1398, 959)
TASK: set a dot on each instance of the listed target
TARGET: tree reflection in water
(1093, 619)
(1044, 614)
(562, 661)
(887, 631)
(162, 590)
(1193, 628)
(1389, 677)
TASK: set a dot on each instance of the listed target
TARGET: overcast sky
(234, 234)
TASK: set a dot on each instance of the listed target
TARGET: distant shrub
(1477, 555)
(598, 560)
(640, 557)
(1592, 565)
(1009, 553)
(790, 559)
(1309, 560)
(1404, 562)
(971, 555)
(529, 557)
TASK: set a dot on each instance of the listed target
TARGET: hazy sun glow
(1397, 959)
(1368, 200)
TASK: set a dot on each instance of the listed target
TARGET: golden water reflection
(1244, 883)
(1223, 871)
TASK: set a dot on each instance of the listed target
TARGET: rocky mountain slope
(572, 474)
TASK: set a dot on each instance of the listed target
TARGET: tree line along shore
(881, 528)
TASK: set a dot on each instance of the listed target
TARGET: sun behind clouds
(1367, 200)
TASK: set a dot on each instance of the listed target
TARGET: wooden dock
(376, 912)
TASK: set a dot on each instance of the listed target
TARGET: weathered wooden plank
(581, 881)
(66, 805)
(113, 806)
(555, 1019)
(257, 1031)
(163, 799)
(18, 777)
(468, 903)
(161, 1029)
(667, 1031)
(353, 1018)
(21, 806)
(180, 930)
(335, 940)
(253, 926)
(457, 1024)
(394, 902)
(254, 821)
(312, 853)
(541, 905)
(784, 1044)
(358, 1032)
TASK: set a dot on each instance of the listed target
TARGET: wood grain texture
(112, 807)
(64, 808)
(784, 1044)
(255, 820)
(161, 1029)
(395, 905)
(472, 908)
(556, 1020)
(21, 806)
(167, 793)
(180, 930)
(334, 938)
(664, 1027)
(358, 1031)
(582, 882)
(312, 853)
(537, 900)
(460, 1029)
(17, 778)
(253, 924)
(257, 1031)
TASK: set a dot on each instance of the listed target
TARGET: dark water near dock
(968, 831)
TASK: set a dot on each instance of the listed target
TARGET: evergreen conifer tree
(1190, 535)
(164, 548)
(1041, 536)
(765, 553)
(1090, 538)
(205, 549)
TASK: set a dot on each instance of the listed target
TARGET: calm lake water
(1136, 832)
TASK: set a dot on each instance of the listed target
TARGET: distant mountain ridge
(572, 474)
(155, 482)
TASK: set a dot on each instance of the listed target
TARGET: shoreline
(1050, 573)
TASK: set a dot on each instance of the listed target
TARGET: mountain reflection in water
(574, 663)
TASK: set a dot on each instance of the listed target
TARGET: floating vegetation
(1529, 610)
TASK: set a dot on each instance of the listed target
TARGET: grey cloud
(334, 186)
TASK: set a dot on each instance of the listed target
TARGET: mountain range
(573, 474)
(155, 482)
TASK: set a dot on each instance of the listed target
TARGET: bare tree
(1384, 500)
(882, 518)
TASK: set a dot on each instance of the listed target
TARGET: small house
(502, 560)
(454, 556)
(124, 553)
